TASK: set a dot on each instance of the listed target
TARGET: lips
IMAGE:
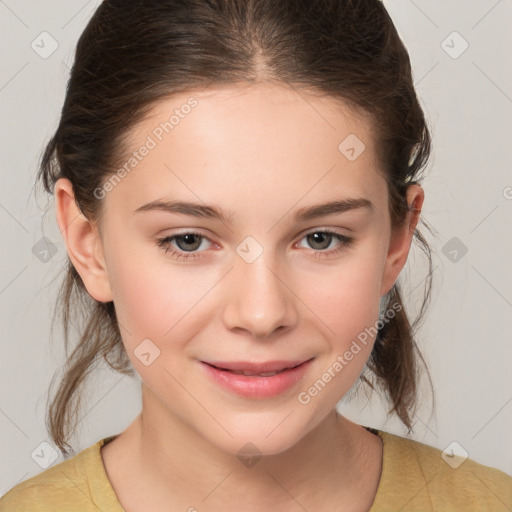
(256, 380)
(249, 368)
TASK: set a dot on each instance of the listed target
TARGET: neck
(180, 467)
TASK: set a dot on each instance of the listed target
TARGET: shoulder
(78, 483)
(425, 478)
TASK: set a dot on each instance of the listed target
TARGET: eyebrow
(213, 212)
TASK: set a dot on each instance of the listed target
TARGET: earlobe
(83, 242)
(401, 239)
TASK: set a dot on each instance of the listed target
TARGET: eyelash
(345, 243)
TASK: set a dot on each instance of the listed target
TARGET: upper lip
(249, 366)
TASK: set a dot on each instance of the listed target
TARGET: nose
(260, 301)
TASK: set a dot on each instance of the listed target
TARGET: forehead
(248, 141)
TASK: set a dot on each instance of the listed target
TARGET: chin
(263, 434)
(253, 444)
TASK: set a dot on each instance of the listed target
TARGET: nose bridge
(260, 302)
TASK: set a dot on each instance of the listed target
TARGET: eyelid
(344, 242)
(315, 229)
(320, 229)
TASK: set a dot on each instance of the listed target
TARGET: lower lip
(254, 386)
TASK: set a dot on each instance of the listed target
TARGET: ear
(83, 242)
(401, 239)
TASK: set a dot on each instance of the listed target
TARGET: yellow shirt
(414, 478)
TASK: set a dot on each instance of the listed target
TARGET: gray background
(466, 337)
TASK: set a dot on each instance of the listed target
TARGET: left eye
(188, 243)
(319, 237)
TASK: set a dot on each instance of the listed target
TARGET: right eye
(182, 239)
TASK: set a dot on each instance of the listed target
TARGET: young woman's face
(262, 284)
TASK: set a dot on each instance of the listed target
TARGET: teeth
(249, 374)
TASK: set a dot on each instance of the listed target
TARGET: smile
(256, 380)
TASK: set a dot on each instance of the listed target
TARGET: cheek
(347, 299)
(154, 298)
(346, 307)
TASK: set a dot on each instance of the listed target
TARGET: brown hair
(132, 54)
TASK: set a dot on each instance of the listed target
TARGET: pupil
(321, 235)
(188, 239)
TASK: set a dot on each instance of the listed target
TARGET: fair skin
(263, 152)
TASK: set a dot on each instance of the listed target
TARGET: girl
(282, 140)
